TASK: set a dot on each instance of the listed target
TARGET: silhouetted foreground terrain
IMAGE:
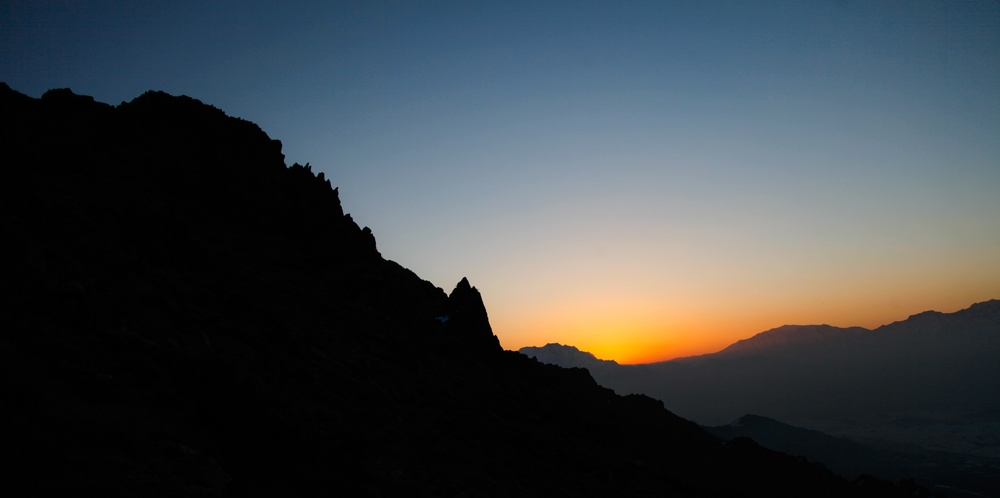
(190, 317)
(960, 474)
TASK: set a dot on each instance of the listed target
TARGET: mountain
(557, 354)
(924, 383)
(185, 315)
(790, 338)
(932, 362)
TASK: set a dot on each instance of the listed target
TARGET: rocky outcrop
(467, 320)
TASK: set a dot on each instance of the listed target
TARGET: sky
(642, 180)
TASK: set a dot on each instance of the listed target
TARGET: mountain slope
(852, 459)
(840, 454)
(190, 317)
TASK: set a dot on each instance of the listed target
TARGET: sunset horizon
(643, 181)
(450, 248)
(656, 346)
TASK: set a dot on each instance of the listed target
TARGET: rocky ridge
(188, 316)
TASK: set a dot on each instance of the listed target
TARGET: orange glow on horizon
(641, 332)
(653, 301)
(627, 353)
(638, 345)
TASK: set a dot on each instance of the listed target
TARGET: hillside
(960, 474)
(190, 317)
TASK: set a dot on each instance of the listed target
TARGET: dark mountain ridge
(187, 316)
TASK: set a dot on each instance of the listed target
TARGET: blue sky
(640, 179)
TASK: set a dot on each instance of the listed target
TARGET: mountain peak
(929, 314)
(565, 356)
(464, 286)
(989, 308)
(788, 336)
(468, 319)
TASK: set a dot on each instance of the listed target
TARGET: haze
(643, 180)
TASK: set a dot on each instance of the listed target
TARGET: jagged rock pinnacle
(468, 318)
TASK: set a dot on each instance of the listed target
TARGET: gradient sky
(643, 180)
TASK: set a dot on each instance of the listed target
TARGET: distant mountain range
(932, 361)
(930, 380)
(185, 315)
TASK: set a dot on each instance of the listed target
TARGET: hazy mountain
(557, 354)
(187, 316)
(935, 362)
(927, 381)
(790, 338)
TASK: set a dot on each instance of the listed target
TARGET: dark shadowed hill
(840, 454)
(187, 316)
(963, 476)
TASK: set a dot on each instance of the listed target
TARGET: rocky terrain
(188, 316)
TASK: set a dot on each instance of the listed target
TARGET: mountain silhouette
(188, 316)
(790, 337)
(558, 354)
